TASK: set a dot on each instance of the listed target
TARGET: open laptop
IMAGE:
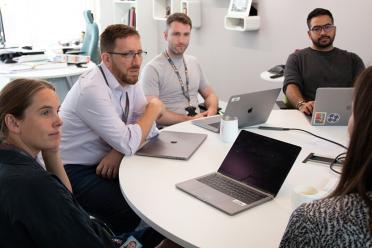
(250, 109)
(332, 107)
(174, 145)
(252, 173)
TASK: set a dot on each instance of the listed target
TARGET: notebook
(250, 109)
(332, 107)
(174, 145)
(252, 173)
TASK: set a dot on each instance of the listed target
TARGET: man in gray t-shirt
(320, 65)
(176, 79)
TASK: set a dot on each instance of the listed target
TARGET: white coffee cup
(229, 128)
(306, 193)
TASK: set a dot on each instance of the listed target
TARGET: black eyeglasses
(131, 54)
(327, 28)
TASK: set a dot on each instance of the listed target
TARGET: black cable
(338, 161)
(298, 129)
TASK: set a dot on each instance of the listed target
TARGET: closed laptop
(173, 145)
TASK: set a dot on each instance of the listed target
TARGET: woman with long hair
(344, 219)
(37, 207)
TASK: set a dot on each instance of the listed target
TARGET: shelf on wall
(125, 12)
(163, 8)
(242, 16)
(192, 8)
(125, 1)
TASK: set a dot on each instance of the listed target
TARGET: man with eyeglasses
(176, 78)
(106, 116)
(321, 65)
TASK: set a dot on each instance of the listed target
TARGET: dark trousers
(102, 198)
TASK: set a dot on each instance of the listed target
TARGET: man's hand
(200, 115)
(211, 111)
(156, 106)
(109, 166)
(307, 107)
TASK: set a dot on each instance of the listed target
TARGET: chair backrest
(90, 42)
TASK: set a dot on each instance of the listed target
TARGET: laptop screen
(259, 161)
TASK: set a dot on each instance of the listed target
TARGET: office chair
(90, 41)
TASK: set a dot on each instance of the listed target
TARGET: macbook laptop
(250, 109)
(332, 107)
(174, 145)
(251, 174)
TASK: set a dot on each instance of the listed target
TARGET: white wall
(234, 60)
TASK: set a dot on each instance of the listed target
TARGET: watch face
(191, 111)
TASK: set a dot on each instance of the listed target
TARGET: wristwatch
(300, 103)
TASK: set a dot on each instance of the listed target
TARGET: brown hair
(113, 32)
(16, 96)
(356, 176)
(179, 17)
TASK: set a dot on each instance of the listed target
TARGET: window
(43, 23)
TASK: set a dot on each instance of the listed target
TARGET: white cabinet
(192, 8)
(163, 8)
(242, 16)
(125, 12)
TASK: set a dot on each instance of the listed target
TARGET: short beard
(123, 78)
(129, 80)
(320, 45)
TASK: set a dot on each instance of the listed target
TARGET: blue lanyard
(126, 111)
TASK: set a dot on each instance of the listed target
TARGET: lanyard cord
(184, 92)
(126, 111)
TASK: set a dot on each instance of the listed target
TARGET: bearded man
(320, 65)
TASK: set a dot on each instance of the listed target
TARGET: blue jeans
(102, 198)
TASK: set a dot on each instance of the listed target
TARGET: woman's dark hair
(16, 96)
(356, 176)
(113, 32)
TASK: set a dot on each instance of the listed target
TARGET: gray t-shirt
(159, 79)
(310, 69)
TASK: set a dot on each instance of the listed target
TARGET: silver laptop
(332, 107)
(251, 174)
(174, 145)
(250, 109)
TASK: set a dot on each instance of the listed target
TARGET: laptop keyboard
(231, 188)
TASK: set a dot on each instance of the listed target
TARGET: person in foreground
(37, 206)
(321, 65)
(344, 219)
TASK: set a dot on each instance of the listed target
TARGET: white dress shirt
(92, 115)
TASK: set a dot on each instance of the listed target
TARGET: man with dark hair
(106, 116)
(175, 78)
(321, 65)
